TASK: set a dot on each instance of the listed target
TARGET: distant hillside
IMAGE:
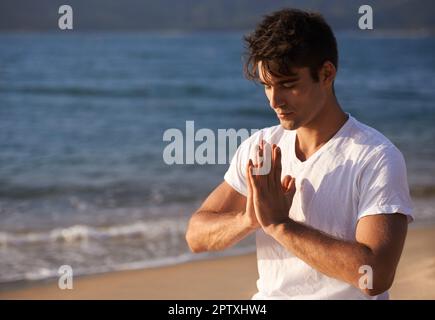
(415, 15)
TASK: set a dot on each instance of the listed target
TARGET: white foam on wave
(80, 233)
(46, 273)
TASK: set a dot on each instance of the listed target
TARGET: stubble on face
(271, 75)
(305, 105)
(289, 124)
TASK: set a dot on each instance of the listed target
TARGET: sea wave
(79, 233)
(423, 191)
(183, 90)
(49, 273)
(77, 91)
(38, 255)
(130, 191)
(113, 193)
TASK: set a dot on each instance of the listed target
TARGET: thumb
(290, 191)
(249, 167)
(286, 183)
(291, 187)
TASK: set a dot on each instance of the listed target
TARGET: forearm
(333, 257)
(212, 231)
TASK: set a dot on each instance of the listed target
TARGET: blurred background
(83, 112)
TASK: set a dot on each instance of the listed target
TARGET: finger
(273, 162)
(273, 156)
(286, 183)
(259, 156)
(248, 170)
(291, 190)
(272, 167)
(267, 161)
(259, 151)
(278, 167)
(250, 177)
(292, 186)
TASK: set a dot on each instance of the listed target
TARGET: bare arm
(221, 221)
(379, 243)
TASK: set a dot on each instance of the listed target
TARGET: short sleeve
(236, 173)
(383, 185)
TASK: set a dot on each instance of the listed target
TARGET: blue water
(82, 116)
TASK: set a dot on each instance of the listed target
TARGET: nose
(275, 98)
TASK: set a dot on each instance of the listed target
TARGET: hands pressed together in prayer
(269, 199)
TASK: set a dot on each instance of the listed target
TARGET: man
(331, 214)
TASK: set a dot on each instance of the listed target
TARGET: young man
(331, 214)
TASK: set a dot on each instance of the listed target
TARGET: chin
(289, 125)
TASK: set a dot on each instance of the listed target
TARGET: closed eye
(289, 85)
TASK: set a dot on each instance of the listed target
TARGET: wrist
(248, 222)
(276, 229)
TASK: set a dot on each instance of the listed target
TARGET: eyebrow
(289, 79)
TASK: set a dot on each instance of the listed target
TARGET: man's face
(296, 99)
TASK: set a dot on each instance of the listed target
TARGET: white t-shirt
(358, 172)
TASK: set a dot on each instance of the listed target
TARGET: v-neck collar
(322, 149)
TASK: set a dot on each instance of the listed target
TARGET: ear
(327, 73)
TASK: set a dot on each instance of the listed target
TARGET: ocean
(83, 181)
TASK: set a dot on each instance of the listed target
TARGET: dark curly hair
(290, 38)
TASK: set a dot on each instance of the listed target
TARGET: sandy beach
(228, 278)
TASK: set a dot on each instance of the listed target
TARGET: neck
(320, 129)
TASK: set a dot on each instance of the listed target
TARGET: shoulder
(367, 136)
(370, 144)
(374, 156)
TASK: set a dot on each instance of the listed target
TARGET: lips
(285, 114)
